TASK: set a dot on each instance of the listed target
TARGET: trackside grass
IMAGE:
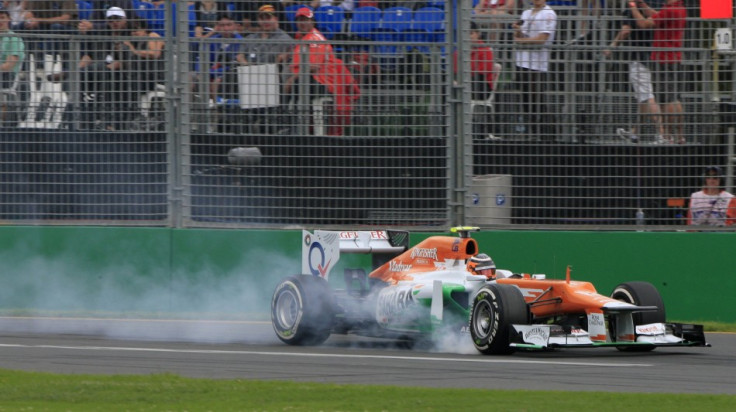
(31, 391)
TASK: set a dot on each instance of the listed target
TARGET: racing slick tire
(641, 294)
(303, 310)
(494, 309)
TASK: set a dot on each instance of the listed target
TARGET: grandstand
(416, 152)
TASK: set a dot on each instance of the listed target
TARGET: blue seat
(396, 23)
(397, 20)
(290, 13)
(330, 20)
(143, 9)
(428, 27)
(156, 19)
(84, 9)
(440, 4)
(365, 21)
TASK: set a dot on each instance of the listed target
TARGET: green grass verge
(32, 391)
(29, 391)
(717, 326)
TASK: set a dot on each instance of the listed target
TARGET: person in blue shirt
(224, 57)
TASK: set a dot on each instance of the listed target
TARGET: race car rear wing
(321, 250)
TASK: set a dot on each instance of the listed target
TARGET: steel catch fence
(397, 114)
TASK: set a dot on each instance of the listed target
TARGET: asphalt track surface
(250, 350)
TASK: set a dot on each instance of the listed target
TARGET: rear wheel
(494, 309)
(303, 310)
(641, 294)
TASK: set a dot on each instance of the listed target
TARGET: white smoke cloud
(203, 305)
(60, 295)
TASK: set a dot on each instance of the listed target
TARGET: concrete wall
(231, 273)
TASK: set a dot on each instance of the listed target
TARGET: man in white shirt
(533, 35)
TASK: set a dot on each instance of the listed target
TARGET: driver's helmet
(482, 264)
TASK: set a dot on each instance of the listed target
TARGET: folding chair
(489, 101)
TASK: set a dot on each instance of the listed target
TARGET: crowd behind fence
(411, 114)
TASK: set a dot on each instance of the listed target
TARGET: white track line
(479, 359)
(134, 320)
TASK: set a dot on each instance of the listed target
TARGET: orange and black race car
(432, 289)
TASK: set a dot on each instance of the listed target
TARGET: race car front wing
(544, 336)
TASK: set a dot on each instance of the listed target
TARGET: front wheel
(303, 310)
(494, 309)
(641, 294)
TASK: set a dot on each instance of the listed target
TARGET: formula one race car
(427, 290)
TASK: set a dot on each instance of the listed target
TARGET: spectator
(18, 12)
(532, 36)
(104, 81)
(495, 7)
(223, 57)
(495, 14)
(482, 68)
(586, 13)
(270, 44)
(98, 22)
(639, 42)
(326, 70)
(206, 13)
(669, 31)
(712, 206)
(52, 17)
(12, 53)
(483, 71)
(247, 12)
(144, 59)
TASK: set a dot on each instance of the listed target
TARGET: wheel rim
(482, 319)
(623, 295)
(287, 309)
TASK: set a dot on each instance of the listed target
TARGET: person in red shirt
(483, 71)
(669, 31)
(326, 70)
(482, 68)
(496, 14)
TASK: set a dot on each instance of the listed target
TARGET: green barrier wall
(231, 273)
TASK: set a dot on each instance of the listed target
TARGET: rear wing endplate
(321, 249)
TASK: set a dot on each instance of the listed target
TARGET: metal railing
(160, 145)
